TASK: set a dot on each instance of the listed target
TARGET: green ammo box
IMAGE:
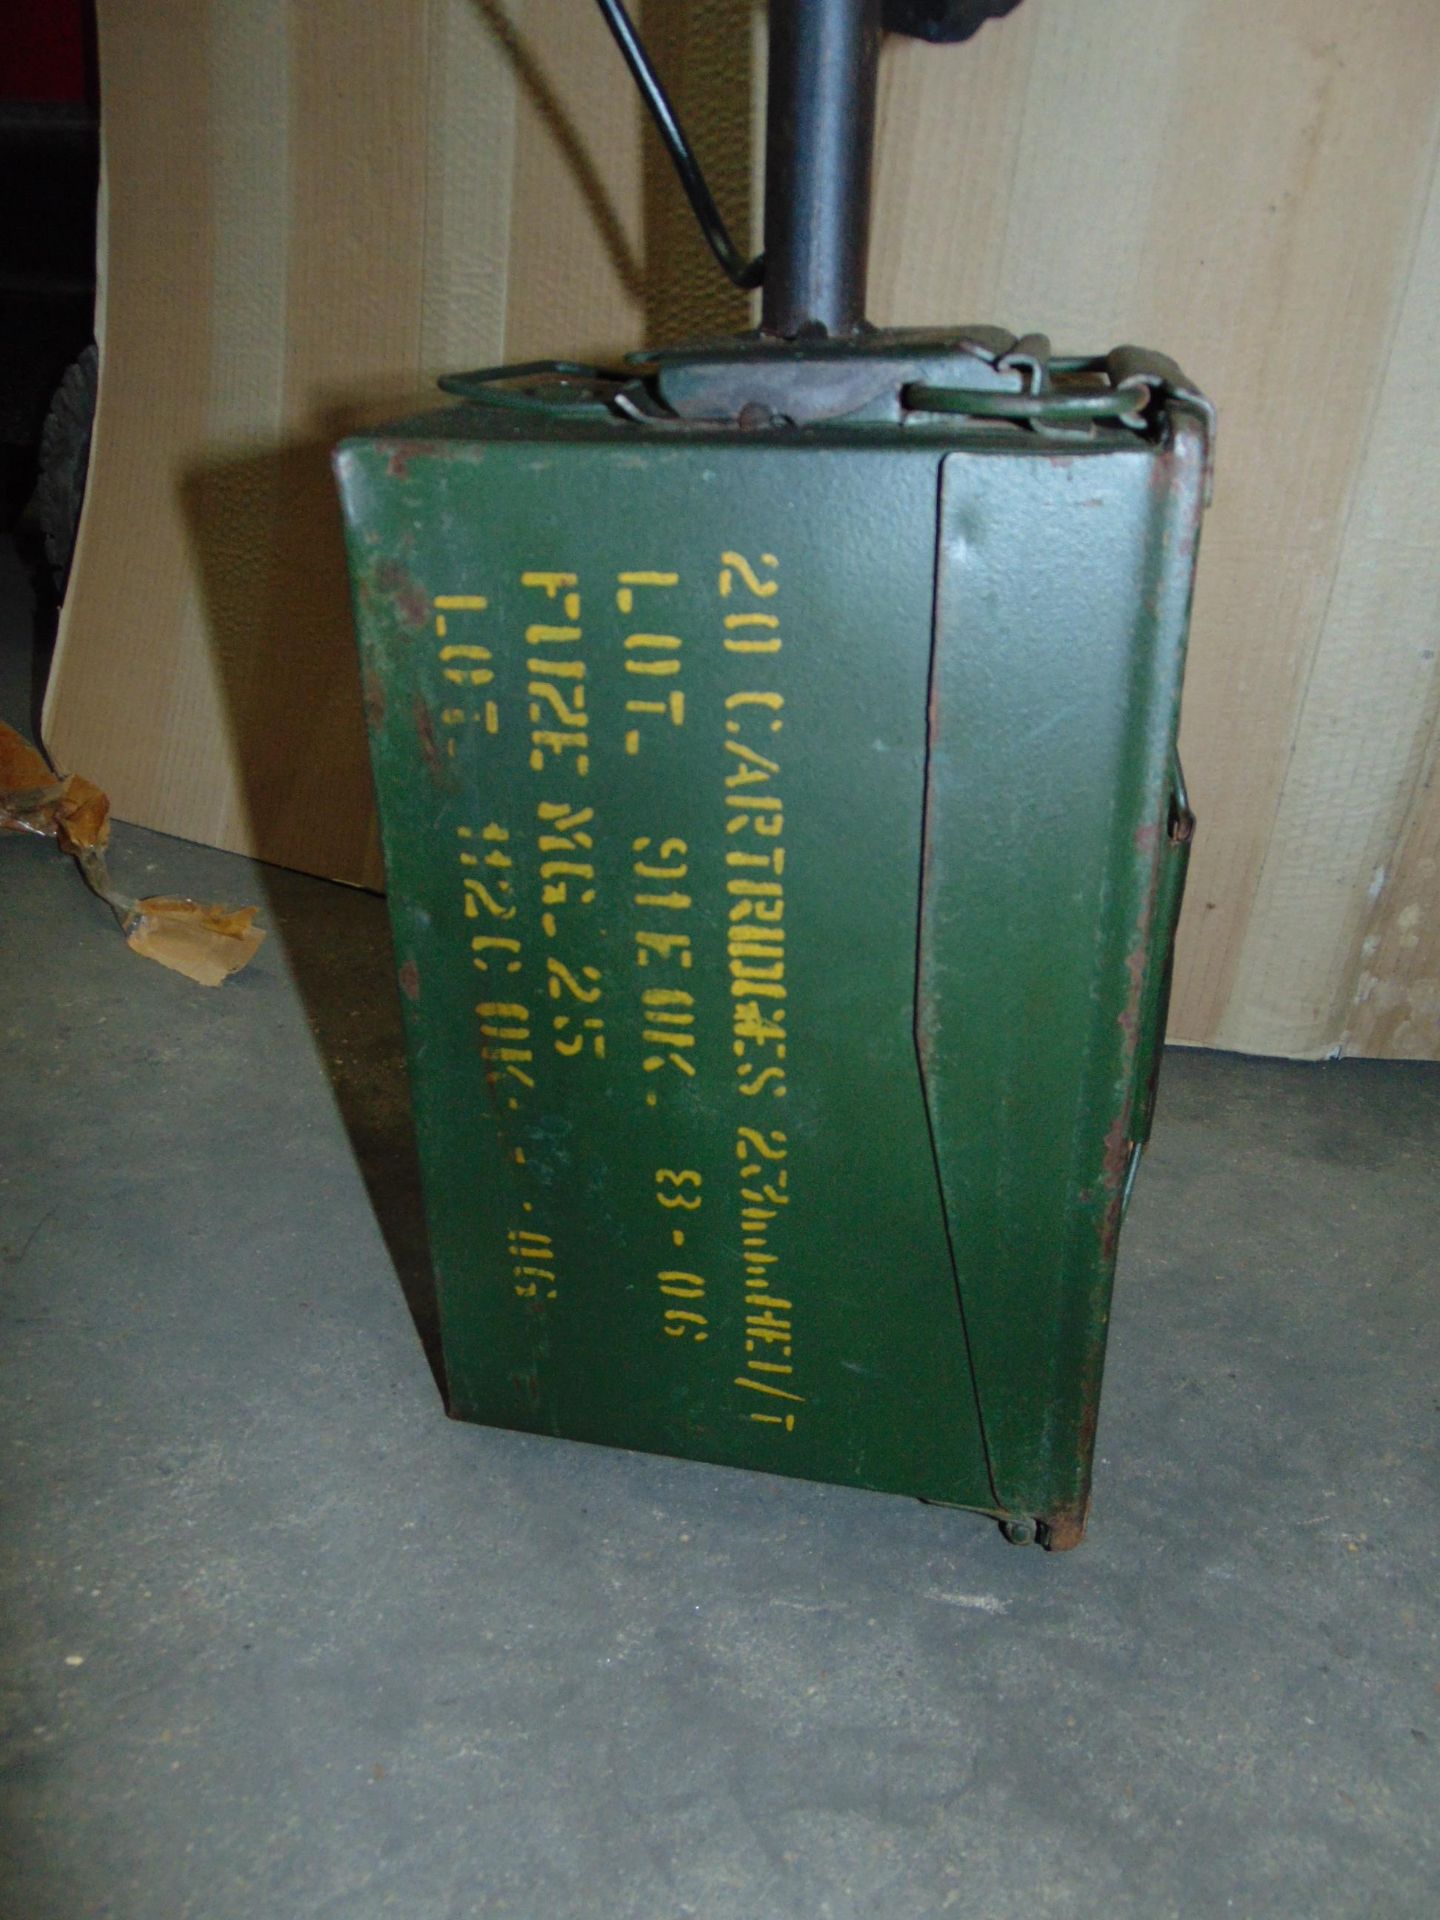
(775, 753)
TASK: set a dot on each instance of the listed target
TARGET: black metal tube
(819, 133)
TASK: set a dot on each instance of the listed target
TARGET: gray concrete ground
(281, 1640)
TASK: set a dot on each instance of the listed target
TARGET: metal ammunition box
(784, 839)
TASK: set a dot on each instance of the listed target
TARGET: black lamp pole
(819, 134)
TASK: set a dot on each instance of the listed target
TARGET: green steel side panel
(782, 856)
(649, 730)
(1062, 608)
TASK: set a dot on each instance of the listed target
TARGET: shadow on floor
(269, 553)
(337, 942)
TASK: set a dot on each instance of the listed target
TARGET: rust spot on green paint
(429, 745)
(1065, 1530)
(397, 460)
(405, 595)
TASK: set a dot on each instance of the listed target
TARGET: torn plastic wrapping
(207, 943)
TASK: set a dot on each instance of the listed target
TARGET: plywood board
(1395, 1003)
(1335, 872)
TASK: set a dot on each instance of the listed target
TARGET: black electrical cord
(744, 273)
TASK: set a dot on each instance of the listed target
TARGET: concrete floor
(281, 1640)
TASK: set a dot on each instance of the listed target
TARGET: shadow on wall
(266, 533)
(270, 559)
(527, 66)
(703, 54)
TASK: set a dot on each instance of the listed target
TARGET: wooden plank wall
(312, 207)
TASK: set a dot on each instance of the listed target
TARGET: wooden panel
(1334, 882)
(1314, 262)
(1395, 1010)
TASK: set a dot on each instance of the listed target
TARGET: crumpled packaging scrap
(205, 943)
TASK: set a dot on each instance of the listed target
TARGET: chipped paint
(400, 455)
(404, 594)
(429, 745)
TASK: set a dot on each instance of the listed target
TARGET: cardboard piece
(205, 943)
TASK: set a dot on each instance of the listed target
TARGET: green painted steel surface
(1061, 611)
(732, 1129)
